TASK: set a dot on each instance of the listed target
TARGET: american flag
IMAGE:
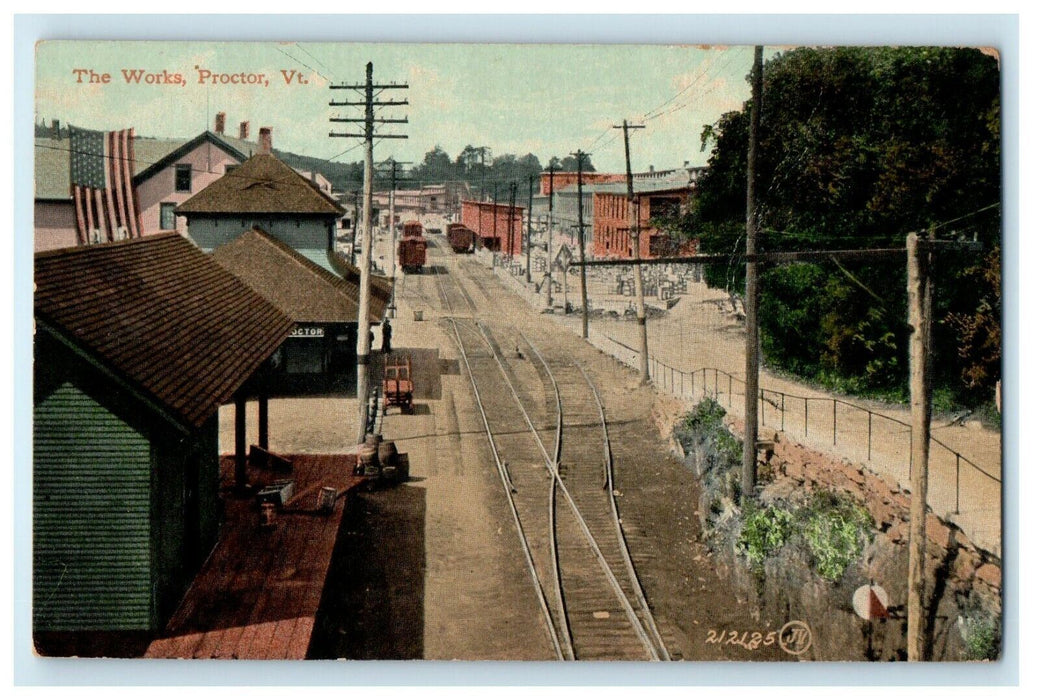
(101, 171)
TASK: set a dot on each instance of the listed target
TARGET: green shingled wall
(91, 512)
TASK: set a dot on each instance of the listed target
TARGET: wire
(320, 62)
(327, 79)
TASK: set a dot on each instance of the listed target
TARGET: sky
(547, 99)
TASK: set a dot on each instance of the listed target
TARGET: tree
(859, 146)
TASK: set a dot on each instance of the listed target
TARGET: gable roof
(261, 185)
(236, 148)
(51, 159)
(382, 288)
(303, 290)
(161, 314)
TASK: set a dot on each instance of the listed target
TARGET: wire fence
(860, 432)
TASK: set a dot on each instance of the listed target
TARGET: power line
(320, 62)
(291, 57)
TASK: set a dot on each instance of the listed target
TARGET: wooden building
(138, 343)
(264, 192)
(320, 355)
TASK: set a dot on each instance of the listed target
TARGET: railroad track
(561, 497)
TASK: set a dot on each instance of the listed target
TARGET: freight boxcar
(412, 229)
(411, 249)
(461, 238)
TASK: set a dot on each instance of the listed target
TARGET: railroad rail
(589, 595)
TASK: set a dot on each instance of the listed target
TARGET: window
(167, 220)
(183, 180)
(663, 207)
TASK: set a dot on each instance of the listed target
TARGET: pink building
(167, 172)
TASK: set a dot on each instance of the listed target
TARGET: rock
(963, 566)
(989, 574)
(938, 534)
(897, 533)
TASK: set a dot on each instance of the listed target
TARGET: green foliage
(765, 531)
(836, 530)
(982, 637)
(705, 423)
(477, 164)
(859, 146)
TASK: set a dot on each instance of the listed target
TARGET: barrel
(368, 457)
(387, 453)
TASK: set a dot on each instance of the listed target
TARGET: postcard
(517, 352)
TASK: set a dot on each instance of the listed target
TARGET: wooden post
(494, 219)
(580, 155)
(262, 420)
(750, 455)
(530, 209)
(919, 308)
(240, 442)
(633, 217)
(512, 220)
(364, 345)
(549, 247)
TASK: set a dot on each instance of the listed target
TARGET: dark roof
(261, 185)
(161, 314)
(303, 290)
(382, 288)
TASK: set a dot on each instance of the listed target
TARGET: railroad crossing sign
(870, 602)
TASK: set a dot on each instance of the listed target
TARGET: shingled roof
(261, 185)
(303, 290)
(382, 287)
(162, 315)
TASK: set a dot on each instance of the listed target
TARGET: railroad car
(411, 249)
(461, 238)
(412, 229)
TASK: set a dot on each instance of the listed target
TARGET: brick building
(611, 234)
(563, 179)
(492, 224)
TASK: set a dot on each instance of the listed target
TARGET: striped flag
(101, 170)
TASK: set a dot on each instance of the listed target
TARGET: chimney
(686, 163)
(56, 128)
(243, 131)
(265, 140)
(219, 125)
(651, 171)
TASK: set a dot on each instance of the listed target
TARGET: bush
(765, 531)
(836, 530)
(982, 638)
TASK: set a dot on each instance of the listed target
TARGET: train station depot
(320, 354)
(138, 343)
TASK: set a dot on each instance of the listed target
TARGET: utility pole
(512, 217)
(580, 155)
(633, 214)
(364, 344)
(919, 296)
(393, 214)
(494, 219)
(530, 212)
(750, 462)
(483, 171)
(549, 245)
(353, 240)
